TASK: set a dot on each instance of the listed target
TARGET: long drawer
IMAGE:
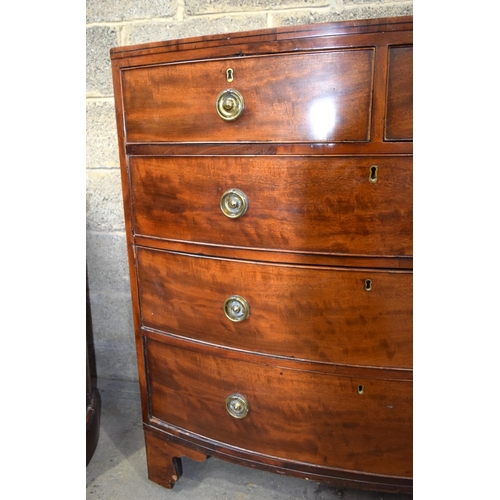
(352, 423)
(342, 205)
(345, 316)
(308, 97)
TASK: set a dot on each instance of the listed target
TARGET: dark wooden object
(93, 416)
(316, 380)
(93, 398)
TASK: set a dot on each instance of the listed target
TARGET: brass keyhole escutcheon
(373, 173)
(236, 308)
(368, 285)
(361, 389)
(229, 104)
(229, 75)
(234, 203)
(237, 406)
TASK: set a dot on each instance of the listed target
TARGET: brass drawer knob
(237, 406)
(236, 308)
(229, 104)
(234, 203)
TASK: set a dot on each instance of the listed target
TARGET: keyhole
(373, 173)
(230, 74)
(368, 285)
(361, 389)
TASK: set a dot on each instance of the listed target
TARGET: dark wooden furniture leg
(164, 459)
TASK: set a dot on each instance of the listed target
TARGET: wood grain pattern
(399, 120)
(322, 96)
(323, 314)
(277, 256)
(315, 34)
(337, 477)
(306, 204)
(164, 462)
(297, 415)
(323, 104)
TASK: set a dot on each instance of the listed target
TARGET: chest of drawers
(267, 185)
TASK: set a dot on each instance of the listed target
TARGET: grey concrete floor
(117, 470)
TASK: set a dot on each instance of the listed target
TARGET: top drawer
(307, 97)
(399, 114)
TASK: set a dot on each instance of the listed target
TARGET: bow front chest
(267, 186)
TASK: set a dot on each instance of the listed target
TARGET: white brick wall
(124, 22)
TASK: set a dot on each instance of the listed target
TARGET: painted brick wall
(123, 22)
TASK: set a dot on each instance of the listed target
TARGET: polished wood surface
(295, 203)
(164, 464)
(323, 314)
(296, 414)
(323, 96)
(325, 364)
(183, 443)
(278, 256)
(269, 40)
(399, 122)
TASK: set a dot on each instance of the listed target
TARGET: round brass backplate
(229, 104)
(236, 308)
(234, 203)
(237, 406)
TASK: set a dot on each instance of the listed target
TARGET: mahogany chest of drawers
(267, 185)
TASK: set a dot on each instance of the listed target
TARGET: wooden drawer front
(321, 314)
(399, 119)
(322, 96)
(306, 204)
(295, 415)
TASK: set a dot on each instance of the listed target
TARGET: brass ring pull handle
(237, 406)
(229, 104)
(236, 308)
(234, 203)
